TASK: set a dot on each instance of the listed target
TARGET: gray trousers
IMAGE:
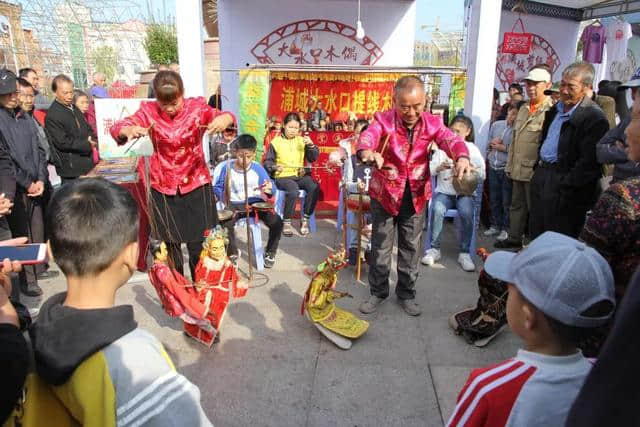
(519, 210)
(409, 226)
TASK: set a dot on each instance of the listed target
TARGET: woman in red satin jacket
(181, 197)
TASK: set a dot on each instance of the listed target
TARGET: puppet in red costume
(177, 294)
(216, 282)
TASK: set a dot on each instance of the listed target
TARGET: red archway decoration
(260, 50)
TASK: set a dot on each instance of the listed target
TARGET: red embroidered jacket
(177, 163)
(404, 160)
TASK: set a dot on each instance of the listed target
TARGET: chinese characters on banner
(361, 98)
(327, 179)
(316, 41)
(253, 98)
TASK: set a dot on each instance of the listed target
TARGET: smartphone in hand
(35, 253)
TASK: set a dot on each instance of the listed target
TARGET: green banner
(253, 101)
(457, 94)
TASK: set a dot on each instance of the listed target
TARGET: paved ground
(273, 368)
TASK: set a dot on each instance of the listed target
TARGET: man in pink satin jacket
(398, 143)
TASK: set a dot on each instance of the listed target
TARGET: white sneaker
(502, 236)
(492, 231)
(465, 262)
(431, 257)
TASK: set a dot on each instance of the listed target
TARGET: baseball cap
(555, 88)
(538, 75)
(559, 275)
(634, 82)
(8, 82)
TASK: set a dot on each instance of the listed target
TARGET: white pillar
(191, 46)
(481, 66)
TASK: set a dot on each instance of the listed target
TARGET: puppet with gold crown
(338, 325)
(215, 283)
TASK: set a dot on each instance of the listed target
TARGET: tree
(105, 60)
(161, 44)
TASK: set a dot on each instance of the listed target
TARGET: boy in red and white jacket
(559, 289)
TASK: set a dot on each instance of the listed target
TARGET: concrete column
(191, 46)
(483, 36)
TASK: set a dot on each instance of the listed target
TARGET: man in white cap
(611, 149)
(523, 153)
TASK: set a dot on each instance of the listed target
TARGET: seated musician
(285, 160)
(355, 176)
(230, 188)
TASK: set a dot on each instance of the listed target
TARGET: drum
(224, 215)
(262, 206)
(353, 202)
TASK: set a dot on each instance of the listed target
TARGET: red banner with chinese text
(359, 97)
(328, 179)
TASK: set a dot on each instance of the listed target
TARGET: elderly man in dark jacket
(70, 136)
(565, 181)
(19, 136)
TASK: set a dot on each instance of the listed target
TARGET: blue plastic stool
(279, 206)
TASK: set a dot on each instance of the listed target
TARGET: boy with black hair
(559, 289)
(229, 188)
(99, 364)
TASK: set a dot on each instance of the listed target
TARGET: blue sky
(451, 13)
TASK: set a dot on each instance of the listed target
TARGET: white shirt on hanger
(618, 35)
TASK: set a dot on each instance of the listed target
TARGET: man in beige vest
(523, 153)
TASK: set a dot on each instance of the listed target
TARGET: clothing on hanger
(617, 39)
(593, 39)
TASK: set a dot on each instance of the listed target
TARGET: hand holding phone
(23, 254)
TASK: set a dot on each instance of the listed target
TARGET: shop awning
(578, 10)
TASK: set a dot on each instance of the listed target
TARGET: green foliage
(161, 44)
(105, 60)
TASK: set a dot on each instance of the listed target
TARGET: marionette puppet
(481, 324)
(177, 294)
(338, 325)
(216, 281)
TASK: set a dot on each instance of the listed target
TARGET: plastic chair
(453, 213)
(254, 226)
(279, 206)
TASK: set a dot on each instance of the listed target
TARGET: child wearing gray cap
(559, 289)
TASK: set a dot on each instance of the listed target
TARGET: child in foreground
(558, 290)
(103, 368)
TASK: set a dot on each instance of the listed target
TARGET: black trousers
(193, 249)
(409, 226)
(273, 222)
(291, 186)
(26, 220)
(553, 208)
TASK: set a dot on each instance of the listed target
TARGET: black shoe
(508, 244)
(49, 274)
(32, 290)
(269, 260)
